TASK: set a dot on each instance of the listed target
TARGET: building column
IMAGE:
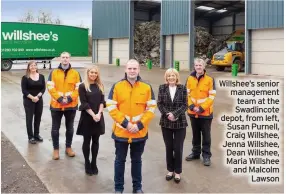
(131, 29)
(247, 51)
(110, 51)
(191, 34)
(162, 51)
(94, 51)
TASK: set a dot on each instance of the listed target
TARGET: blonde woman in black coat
(172, 103)
(91, 124)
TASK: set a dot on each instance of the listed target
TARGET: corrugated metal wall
(110, 19)
(265, 14)
(175, 17)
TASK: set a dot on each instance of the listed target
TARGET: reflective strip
(50, 87)
(212, 97)
(111, 102)
(137, 118)
(194, 100)
(61, 93)
(50, 84)
(151, 102)
(188, 90)
(118, 125)
(77, 85)
(127, 117)
(201, 100)
(151, 109)
(110, 108)
(68, 93)
(212, 92)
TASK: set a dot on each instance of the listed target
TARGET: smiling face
(199, 67)
(92, 74)
(172, 77)
(33, 67)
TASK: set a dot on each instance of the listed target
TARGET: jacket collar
(137, 79)
(60, 67)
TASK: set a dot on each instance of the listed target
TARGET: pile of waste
(147, 43)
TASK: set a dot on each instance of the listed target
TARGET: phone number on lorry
(12, 50)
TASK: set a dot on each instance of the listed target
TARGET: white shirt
(172, 91)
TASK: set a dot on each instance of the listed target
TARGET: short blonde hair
(200, 61)
(65, 53)
(170, 71)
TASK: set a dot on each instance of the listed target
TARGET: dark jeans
(94, 147)
(56, 123)
(31, 109)
(201, 126)
(136, 151)
(174, 142)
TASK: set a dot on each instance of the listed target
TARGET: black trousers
(31, 109)
(94, 147)
(56, 124)
(201, 126)
(174, 142)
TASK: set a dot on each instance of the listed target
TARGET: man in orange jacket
(62, 85)
(201, 94)
(131, 103)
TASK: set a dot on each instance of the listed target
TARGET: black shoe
(192, 157)
(88, 170)
(138, 191)
(94, 168)
(32, 141)
(168, 177)
(38, 138)
(207, 161)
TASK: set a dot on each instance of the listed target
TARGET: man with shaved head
(131, 103)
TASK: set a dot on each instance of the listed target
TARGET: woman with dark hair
(91, 123)
(33, 87)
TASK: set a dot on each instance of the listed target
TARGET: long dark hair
(28, 68)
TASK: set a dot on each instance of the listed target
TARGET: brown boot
(70, 152)
(56, 155)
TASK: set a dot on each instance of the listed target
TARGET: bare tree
(28, 17)
(42, 17)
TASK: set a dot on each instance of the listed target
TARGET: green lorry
(41, 42)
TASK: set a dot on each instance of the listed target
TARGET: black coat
(178, 107)
(90, 100)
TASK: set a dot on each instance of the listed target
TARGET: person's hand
(134, 129)
(35, 99)
(129, 126)
(97, 117)
(171, 117)
(65, 100)
(196, 109)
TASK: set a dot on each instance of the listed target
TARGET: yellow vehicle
(233, 53)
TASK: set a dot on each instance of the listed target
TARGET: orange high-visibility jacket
(201, 94)
(63, 83)
(135, 104)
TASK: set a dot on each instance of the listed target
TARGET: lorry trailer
(40, 42)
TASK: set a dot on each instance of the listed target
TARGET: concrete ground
(67, 175)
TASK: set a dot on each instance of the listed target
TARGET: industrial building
(263, 21)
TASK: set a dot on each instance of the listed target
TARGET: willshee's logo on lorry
(20, 35)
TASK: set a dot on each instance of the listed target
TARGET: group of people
(131, 103)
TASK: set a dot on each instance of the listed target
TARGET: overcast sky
(72, 12)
